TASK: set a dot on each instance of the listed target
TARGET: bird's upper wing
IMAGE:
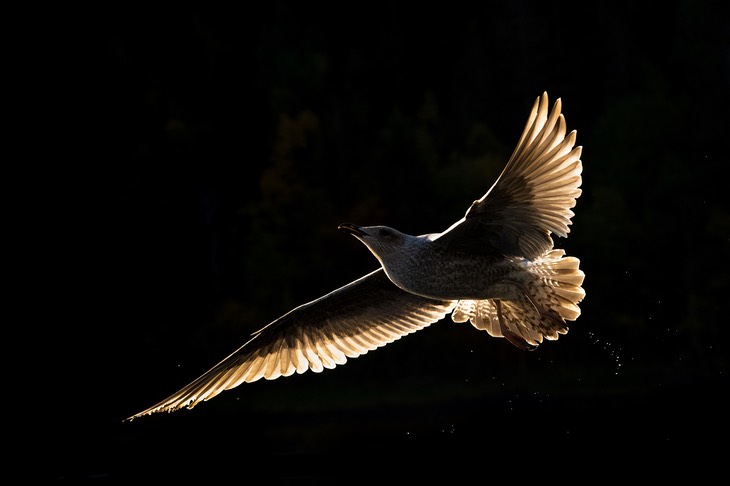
(533, 196)
(363, 315)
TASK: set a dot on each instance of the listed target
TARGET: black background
(204, 159)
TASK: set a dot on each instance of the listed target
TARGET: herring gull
(495, 267)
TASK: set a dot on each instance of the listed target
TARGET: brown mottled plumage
(495, 267)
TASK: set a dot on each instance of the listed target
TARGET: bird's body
(424, 266)
(495, 267)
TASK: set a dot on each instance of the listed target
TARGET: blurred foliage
(233, 145)
(207, 155)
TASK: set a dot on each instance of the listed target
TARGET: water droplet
(608, 347)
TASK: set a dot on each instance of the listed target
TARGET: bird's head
(387, 244)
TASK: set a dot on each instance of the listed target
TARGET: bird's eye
(385, 233)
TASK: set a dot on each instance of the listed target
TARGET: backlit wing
(352, 320)
(533, 196)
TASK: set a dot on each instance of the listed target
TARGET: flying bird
(495, 267)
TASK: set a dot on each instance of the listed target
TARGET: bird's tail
(536, 303)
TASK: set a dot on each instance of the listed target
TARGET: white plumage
(496, 267)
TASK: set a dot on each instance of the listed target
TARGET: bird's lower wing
(352, 320)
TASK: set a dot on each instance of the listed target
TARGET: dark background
(207, 158)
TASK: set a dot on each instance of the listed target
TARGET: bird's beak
(354, 230)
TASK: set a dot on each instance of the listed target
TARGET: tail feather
(533, 304)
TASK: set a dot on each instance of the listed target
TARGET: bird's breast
(453, 276)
